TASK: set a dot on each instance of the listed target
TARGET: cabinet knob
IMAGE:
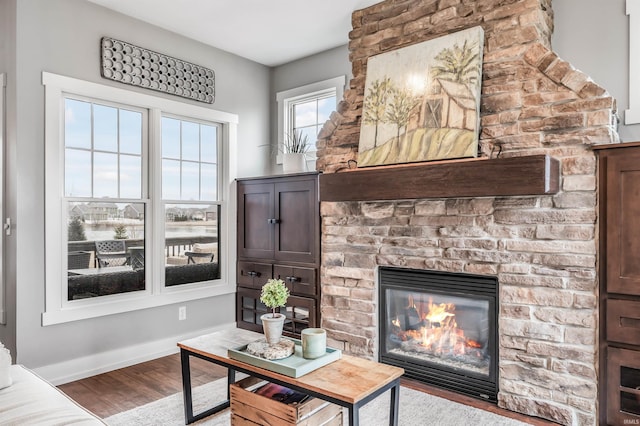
(273, 221)
(253, 274)
(291, 279)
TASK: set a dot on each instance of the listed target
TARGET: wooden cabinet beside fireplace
(279, 236)
(619, 192)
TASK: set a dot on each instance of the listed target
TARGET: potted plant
(274, 295)
(294, 149)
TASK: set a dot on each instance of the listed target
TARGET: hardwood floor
(127, 388)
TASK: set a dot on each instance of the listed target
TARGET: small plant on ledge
(296, 143)
(294, 152)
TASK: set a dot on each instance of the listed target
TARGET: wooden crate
(249, 408)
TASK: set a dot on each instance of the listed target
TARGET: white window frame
(287, 98)
(3, 310)
(57, 308)
(632, 115)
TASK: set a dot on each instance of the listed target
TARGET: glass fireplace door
(441, 327)
(450, 331)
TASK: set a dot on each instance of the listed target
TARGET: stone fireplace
(541, 245)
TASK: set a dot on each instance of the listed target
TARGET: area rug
(416, 409)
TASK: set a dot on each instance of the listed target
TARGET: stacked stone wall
(543, 249)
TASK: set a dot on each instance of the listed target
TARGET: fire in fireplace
(441, 328)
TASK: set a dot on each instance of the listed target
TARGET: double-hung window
(632, 115)
(304, 110)
(190, 195)
(105, 158)
(137, 200)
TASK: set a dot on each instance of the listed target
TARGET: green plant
(297, 143)
(274, 294)
(120, 232)
(75, 230)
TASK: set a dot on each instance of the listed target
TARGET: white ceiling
(271, 32)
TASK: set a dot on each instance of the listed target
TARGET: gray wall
(63, 37)
(593, 35)
(328, 64)
(8, 67)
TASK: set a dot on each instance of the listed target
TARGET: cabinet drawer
(298, 280)
(623, 321)
(253, 274)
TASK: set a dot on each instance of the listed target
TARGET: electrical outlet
(182, 313)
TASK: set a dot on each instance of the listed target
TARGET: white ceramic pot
(294, 162)
(272, 327)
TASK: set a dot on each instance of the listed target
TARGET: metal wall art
(129, 64)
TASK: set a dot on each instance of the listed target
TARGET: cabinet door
(623, 386)
(255, 220)
(300, 313)
(297, 230)
(298, 280)
(623, 226)
(249, 309)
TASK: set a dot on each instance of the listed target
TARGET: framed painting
(422, 102)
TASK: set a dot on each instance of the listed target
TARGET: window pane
(130, 132)
(190, 141)
(311, 133)
(105, 128)
(191, 243)
(130, 176)
(305, 114)
(208, 143)
(77, 124)
(190, 181)
(325, 107)
(105, 175)
(170, 180)
(77, 173)
(105, 253)
(208, 182)
(170, 138)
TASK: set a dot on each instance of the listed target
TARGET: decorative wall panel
(129, 64)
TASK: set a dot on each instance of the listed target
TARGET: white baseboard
(80, 368)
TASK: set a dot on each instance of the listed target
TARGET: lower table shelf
(258, 402)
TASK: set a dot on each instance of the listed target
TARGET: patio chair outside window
(201, 253)
(112, 253)
(78, 259)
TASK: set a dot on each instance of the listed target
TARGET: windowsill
(128, 302)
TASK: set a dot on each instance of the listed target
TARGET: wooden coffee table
(350, 382)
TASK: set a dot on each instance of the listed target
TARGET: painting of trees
(400, 109)
(422, 102)
(375, 106)
(458, 64)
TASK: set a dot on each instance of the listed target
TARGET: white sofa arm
(31, 400)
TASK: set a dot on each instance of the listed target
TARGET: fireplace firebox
(441, 328)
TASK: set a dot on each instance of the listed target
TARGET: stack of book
(258, 402)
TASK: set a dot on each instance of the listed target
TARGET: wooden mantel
(530, 175)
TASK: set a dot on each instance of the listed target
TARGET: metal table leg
(395, 404)
(187, 391)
